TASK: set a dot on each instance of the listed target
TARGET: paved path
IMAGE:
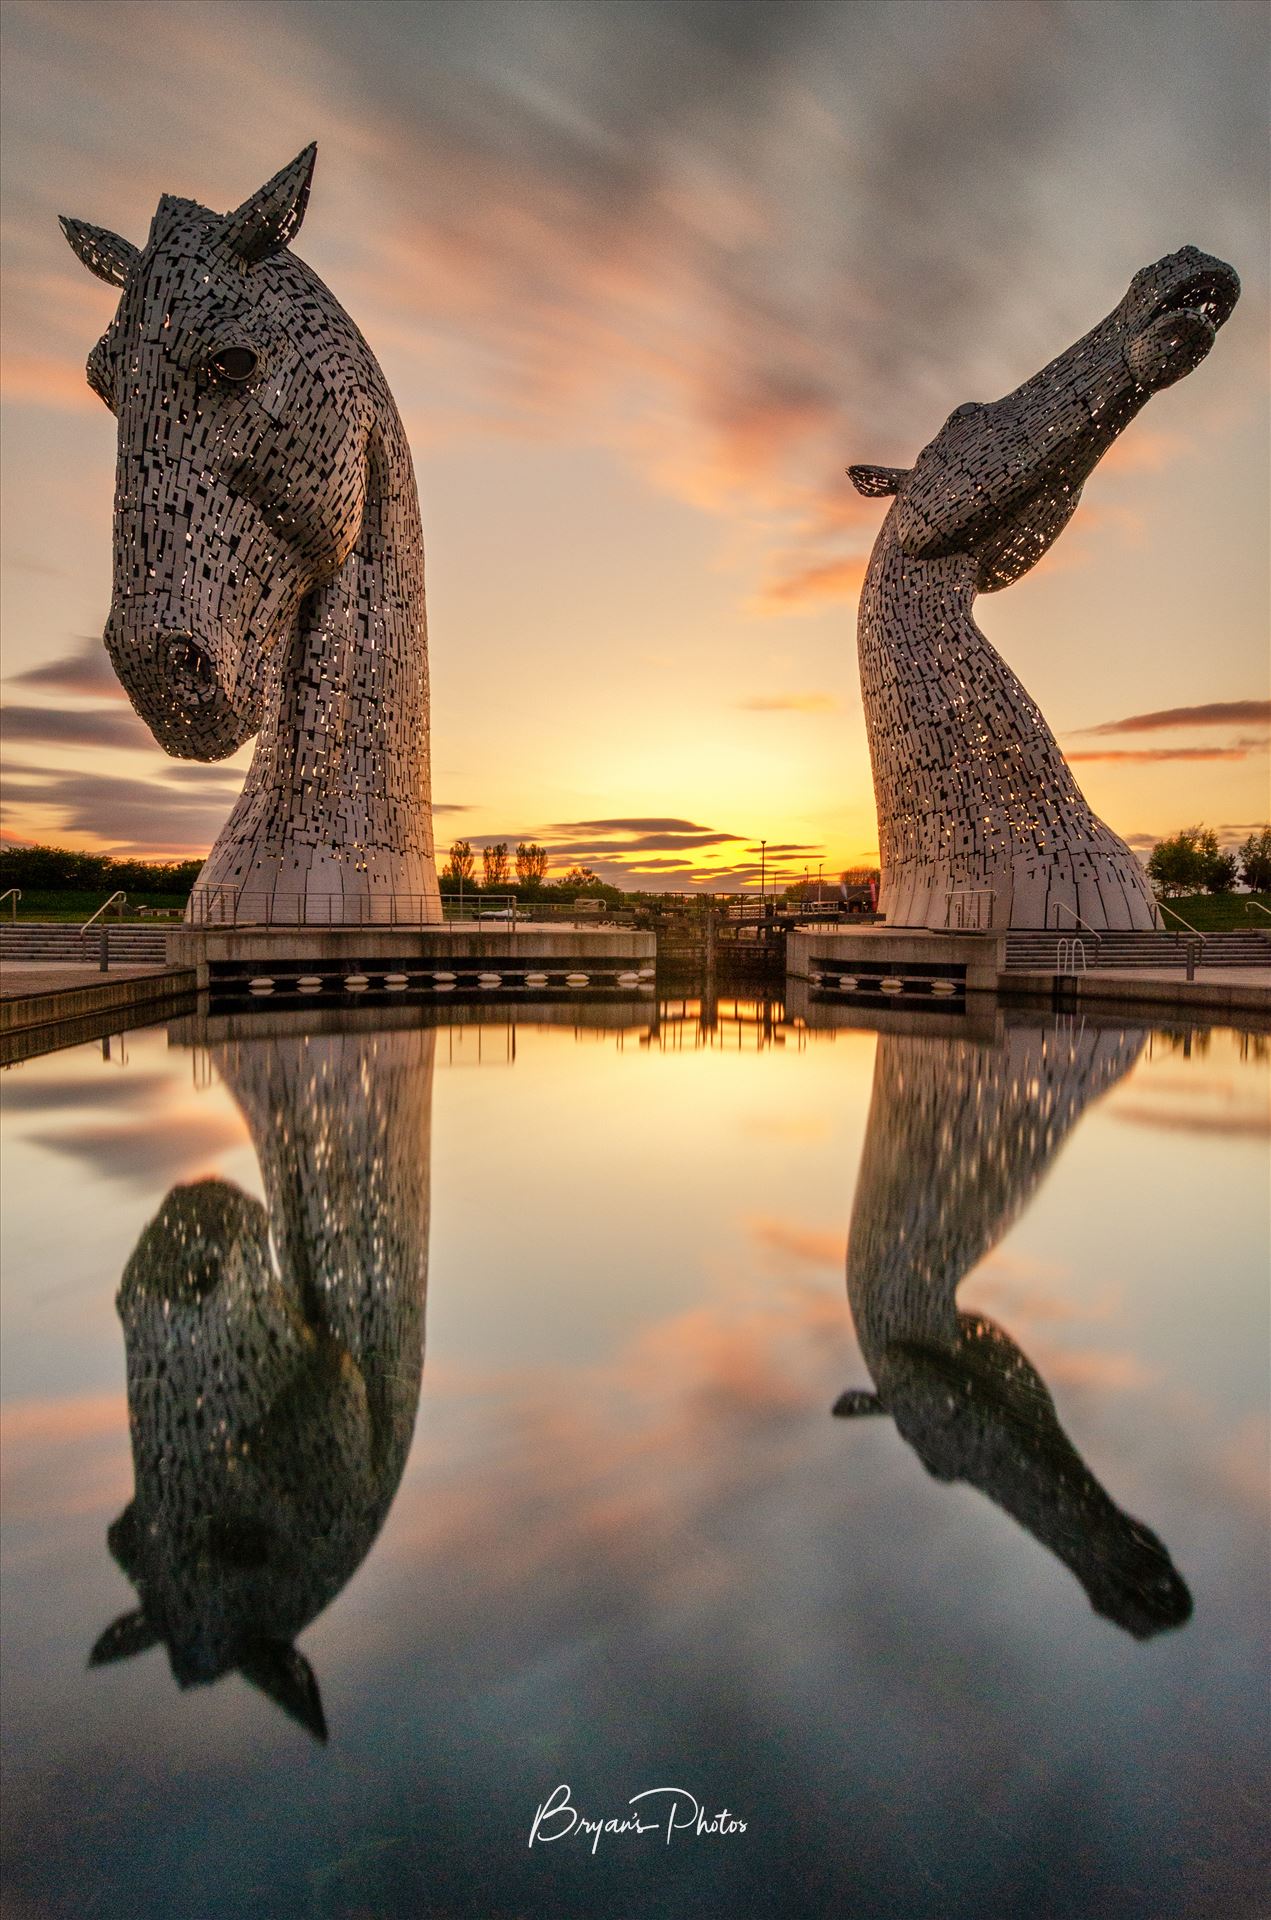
(52, 976)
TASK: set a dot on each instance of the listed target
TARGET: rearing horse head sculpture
(974, 797)
(268, 559)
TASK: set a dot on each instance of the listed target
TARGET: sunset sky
(644, 278)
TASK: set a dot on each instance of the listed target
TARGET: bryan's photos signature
(665, 1810)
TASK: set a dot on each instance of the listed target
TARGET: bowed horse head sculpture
(268, 573)
(978, 812)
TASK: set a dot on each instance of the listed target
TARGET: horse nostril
(235, 363)
(183, 655)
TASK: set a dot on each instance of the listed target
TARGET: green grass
(37, 904)
(1220, 912)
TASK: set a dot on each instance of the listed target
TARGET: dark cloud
(806, 232)
(129, 1089)
(1215, 713)
(143, 1155)
(644, 843)
(137, 816)
(59, 727)
(210, 776)
(86, 671)
(787, 846)
(632, 825)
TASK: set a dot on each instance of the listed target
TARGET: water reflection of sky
(630, 1546)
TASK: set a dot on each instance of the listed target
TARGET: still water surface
(701, 1479)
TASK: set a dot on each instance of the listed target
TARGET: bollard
(1192, 948)
(103, 964)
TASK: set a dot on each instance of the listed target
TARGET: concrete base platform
(480, 957)
(886, 962)
(881, 965)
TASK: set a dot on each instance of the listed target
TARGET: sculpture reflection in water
(960, 1136)
(274, 1360)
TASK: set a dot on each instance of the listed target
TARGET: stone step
(1027, 951)
(51, 941)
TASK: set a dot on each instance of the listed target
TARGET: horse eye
(235, 363)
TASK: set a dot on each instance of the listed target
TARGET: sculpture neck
(334, 821)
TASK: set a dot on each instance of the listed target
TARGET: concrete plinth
(895, 962)
(477, 956)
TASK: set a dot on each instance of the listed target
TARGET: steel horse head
(268, 575)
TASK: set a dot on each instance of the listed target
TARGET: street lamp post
(763, 847)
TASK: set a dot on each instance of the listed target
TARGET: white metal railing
(1061, 906)
(249, 906)
(1256, 906)
(969, 910)
(1194, 931)
(14, 894)
(118, 895)
(1070, 956)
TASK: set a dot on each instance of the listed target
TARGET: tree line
(1191, 861)
(530, 862)
(59, 870)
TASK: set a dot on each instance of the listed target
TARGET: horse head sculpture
(268, 557)
(959, 1137)
(974, 797)
(274, 1361)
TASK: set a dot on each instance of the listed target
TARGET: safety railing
(1256, 906)
(248, 907)
(1186, 924)
(117, 896)
(1070, 956)
(13, 894)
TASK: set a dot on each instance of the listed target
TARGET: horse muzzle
(184, 687)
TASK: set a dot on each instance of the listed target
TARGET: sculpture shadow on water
(960, 1136)
(268, 558)
(274, 1362)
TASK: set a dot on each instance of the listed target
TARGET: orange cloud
(802, 1245)
(811, 587)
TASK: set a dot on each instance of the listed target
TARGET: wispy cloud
(86, 671)
(811, 586)
(1212, 713)
(799, 1245)
(632, 824)
(70, 727)
(1240, 751)
(134, 816)
(789, 703)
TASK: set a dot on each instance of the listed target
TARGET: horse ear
(271, 218)
(131, 1633)
(285, 1677)
(856, 1401)
(876, 482)
(104, 253)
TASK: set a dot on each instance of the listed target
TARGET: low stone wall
(34, 1023)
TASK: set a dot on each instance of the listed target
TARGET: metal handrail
(1182, 923)
(1071, 949)
(1251, 906)
(14, 894)
(119, 895)
(1061, 906)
